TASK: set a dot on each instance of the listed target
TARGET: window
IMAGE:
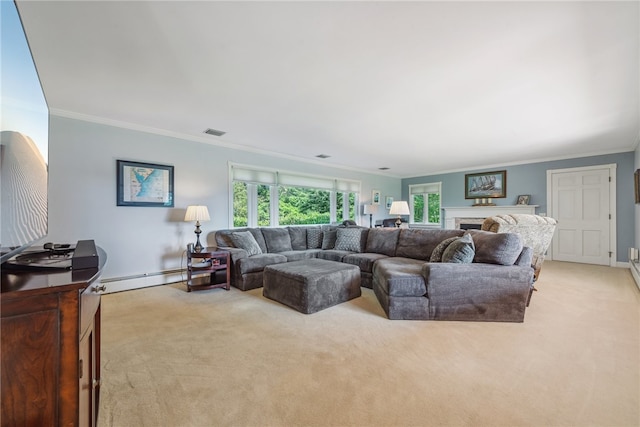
(424, 203)
(274, 198)
(249, 194)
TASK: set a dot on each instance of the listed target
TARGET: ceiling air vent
(323, 156)
(214, 132)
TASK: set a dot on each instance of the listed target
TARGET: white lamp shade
(197, 213)
(370, 209)
(399, 208)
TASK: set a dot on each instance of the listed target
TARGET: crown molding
(209, 139)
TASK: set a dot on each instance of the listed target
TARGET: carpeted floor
(232, 358)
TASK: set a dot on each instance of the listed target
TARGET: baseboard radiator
(127, 283)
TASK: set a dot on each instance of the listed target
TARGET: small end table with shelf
(213, 261)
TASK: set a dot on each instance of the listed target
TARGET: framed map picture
(144, 184)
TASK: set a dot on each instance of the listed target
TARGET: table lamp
(370, 210)
(197, 213)
(399, 208)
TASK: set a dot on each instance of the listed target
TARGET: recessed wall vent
(323, 156)
(384, 168)
(214, 132)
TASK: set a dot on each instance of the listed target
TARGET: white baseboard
(119, 284)
(635, 272)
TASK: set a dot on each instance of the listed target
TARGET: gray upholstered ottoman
(311, 285)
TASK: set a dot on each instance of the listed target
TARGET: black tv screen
(24, 141)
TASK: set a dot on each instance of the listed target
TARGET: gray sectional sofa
(486, 277)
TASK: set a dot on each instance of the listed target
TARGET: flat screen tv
(24, 140)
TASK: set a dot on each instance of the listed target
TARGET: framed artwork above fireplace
(485, 184)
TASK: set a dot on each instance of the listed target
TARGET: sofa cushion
(277, 239)
(419, 244)
(298, 237)
(496, 248)
(332, 254)
(382, 240)
(436, 255)
(258, 262)
(460, 250)
(299, 255)
(314, 238)
(245, 240)
(400, 277)
(363, 260)
(349, 239)
(329, 239)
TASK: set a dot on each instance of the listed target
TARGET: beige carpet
(232, 358)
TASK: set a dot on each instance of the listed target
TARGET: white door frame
(612, 204)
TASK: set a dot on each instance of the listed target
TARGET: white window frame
(253, 176)
(425, 189)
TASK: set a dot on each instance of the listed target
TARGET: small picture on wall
(388, 201)
(375, 197)
(523, 199)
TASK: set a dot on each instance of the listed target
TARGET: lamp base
(198, 247)
(398, 222)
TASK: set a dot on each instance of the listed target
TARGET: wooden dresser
(50, 347)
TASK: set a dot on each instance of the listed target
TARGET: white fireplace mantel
(450, 214)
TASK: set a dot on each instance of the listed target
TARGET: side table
(213, 261)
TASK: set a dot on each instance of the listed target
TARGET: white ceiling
(418, 87)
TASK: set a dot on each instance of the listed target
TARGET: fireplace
(474, 215)
(469, 223)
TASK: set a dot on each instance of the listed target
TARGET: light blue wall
(82, 195)
(142, 240)
(531, 179)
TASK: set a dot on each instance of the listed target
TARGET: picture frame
(523, 199)
(375, 197)
(485, 184)
(636, 184)
(144, 184)
(388, 201)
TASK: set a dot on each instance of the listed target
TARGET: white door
(581, 201)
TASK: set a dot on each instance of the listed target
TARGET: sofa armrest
(526, 257)
(236, 253)
(477, 291)
(444, 277)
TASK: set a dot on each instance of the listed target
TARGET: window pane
(434, 207)
(418, 208)
(352, 206)
(264, 204)
(240, 213)
(301, 206)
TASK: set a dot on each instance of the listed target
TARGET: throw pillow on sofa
(298, 237)
(496, 248)
(329, 239)
(245, 240)
(314, 238)
(349, 239)
(461, 250)
(436, 255)
(278, 239)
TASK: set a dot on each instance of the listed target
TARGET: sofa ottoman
(311, 285)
